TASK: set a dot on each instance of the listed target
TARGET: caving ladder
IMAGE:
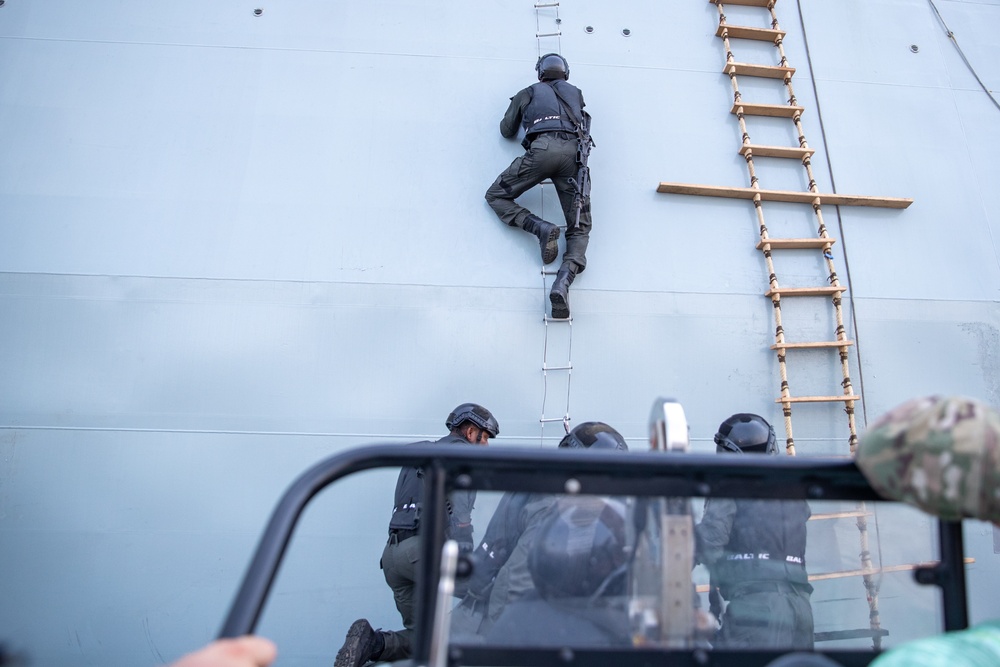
(557, 339)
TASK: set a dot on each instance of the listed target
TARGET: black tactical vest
(767, 543)
(406, 505)
(544, 112)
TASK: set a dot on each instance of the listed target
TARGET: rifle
(581, 183)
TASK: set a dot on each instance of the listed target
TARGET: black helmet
(477, 414)
(552, 66)
(580, 550)
(594, 435)
(746, 433)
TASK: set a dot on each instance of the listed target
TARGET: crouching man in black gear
(468, 424)
(755, 553)
(557, 141)
(500, 573)
(578, 564)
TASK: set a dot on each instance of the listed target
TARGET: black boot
(363, 645)
(548, 236)
(559, 295)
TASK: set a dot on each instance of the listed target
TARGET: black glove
(715, 602)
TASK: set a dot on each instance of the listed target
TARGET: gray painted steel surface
(233, 244)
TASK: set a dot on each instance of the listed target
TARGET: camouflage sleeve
(941, 454)
(512, 119)
(712, 534)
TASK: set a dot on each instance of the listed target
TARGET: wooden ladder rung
(747, 32)
(765, 71)
(831, 290)
(797, 244)
(771, 110)
(813, 346)
(840, 515)
(776, 151)
(879, 570)
(839, 635)
(782, 195)
(817, 399)
(746, 3)
(703, 588)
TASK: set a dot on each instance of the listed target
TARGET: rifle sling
(582, 131)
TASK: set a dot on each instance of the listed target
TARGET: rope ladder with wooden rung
(556, 332)
(563, 334)
(546, 12)
(823, 242)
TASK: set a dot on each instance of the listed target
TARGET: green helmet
(941, 454)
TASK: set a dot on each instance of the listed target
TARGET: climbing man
(557, 141)
(468, 424)
(755, 551)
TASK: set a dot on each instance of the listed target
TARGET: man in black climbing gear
(557, 141)
(755, 553)
(468, 424)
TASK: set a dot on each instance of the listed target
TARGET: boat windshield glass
(575, 571)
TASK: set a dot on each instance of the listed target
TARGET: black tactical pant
(768, 615)
(399, 565)
(551, 155)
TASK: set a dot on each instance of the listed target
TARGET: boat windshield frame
(552, 471)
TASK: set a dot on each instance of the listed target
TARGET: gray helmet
(594, 435)
(580, 550)
(746, 433)
(477, 414)
(552, 66)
